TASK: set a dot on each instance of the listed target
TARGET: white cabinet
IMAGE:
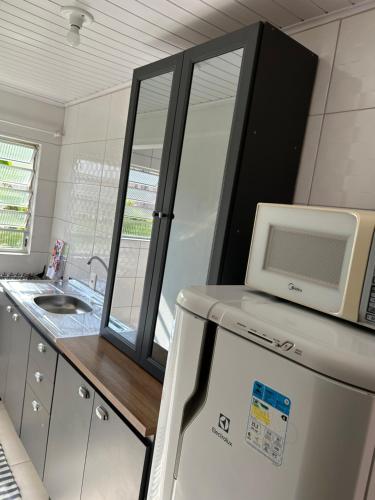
(92, 454)
(115, 458)
(38, 399)
(69, 433)
(5, 338)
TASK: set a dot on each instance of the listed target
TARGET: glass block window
(17, 170)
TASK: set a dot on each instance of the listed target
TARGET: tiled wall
(23, 110)
(88, 177)
(338, 163)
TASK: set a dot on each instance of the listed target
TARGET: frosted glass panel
(208, 126)
(143, 184)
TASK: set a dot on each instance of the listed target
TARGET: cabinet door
(5, 338)
(115, 458)
(139, 212)
(211, 112)
(34, 430)
(68, 436)
(17, 368)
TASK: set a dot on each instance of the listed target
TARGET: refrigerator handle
(198, 398)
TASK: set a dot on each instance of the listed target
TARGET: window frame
(28, 231)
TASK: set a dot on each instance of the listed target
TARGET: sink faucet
(95, 257)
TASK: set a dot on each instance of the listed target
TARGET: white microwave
(319, 257)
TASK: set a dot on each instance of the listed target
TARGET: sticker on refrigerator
(268, 422)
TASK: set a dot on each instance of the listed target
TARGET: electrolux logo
(294, 288)
(224, 424)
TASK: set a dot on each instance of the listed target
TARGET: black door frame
(173, 63)
(249, 39)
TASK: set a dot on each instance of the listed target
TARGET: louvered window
(17, 169)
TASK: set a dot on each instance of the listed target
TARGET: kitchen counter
(54, 325)
(131, 390)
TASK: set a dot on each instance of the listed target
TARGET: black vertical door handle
(161, 215)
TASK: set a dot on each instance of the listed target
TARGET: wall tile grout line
(324, 112)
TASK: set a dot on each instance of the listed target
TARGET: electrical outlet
(92, 281)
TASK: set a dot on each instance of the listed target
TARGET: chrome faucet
(95, 257)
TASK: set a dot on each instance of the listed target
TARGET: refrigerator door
(270, 429)
(182, 378)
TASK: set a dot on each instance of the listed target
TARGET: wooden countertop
(131, 390)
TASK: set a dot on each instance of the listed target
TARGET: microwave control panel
(370, 311)
(367, 307)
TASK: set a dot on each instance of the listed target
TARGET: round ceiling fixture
(77, 18)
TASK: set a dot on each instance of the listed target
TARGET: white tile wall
(112, 162)
(353, 79)
(117, 121)
(322, 41)
(86, 197)
(45, 198)
(93, 118)
(345, 167)
(337, 165)
(308, 158)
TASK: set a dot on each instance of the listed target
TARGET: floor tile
(14, 450)
(24, 472)
(29, 482)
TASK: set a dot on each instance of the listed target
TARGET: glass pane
(12, 240)
(203, 158)
(149, 131)
(13, 197)
(22, 153)
(14, 175)
(13, 218)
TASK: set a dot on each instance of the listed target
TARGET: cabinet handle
(35, 405)
(38, 377)
(15, 317)
(9, 309)
(83, 392)
(101, 413)
(42, 347)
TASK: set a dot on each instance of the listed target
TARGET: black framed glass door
(211, 111)
(139, 206)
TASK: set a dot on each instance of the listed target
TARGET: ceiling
(126, 34)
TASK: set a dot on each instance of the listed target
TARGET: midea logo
(294, 288)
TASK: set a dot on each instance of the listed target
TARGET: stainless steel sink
(62, 304)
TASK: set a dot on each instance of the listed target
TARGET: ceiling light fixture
(77, 18)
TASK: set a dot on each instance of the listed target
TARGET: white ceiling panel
(126, 34)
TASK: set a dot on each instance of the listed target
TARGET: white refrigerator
(264, 400)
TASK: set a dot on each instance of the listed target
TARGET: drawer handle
(38, 377)
(15, 317)
(83, 392)
(35, 405)
(42, 347)
(101, 413)
(9, 309)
